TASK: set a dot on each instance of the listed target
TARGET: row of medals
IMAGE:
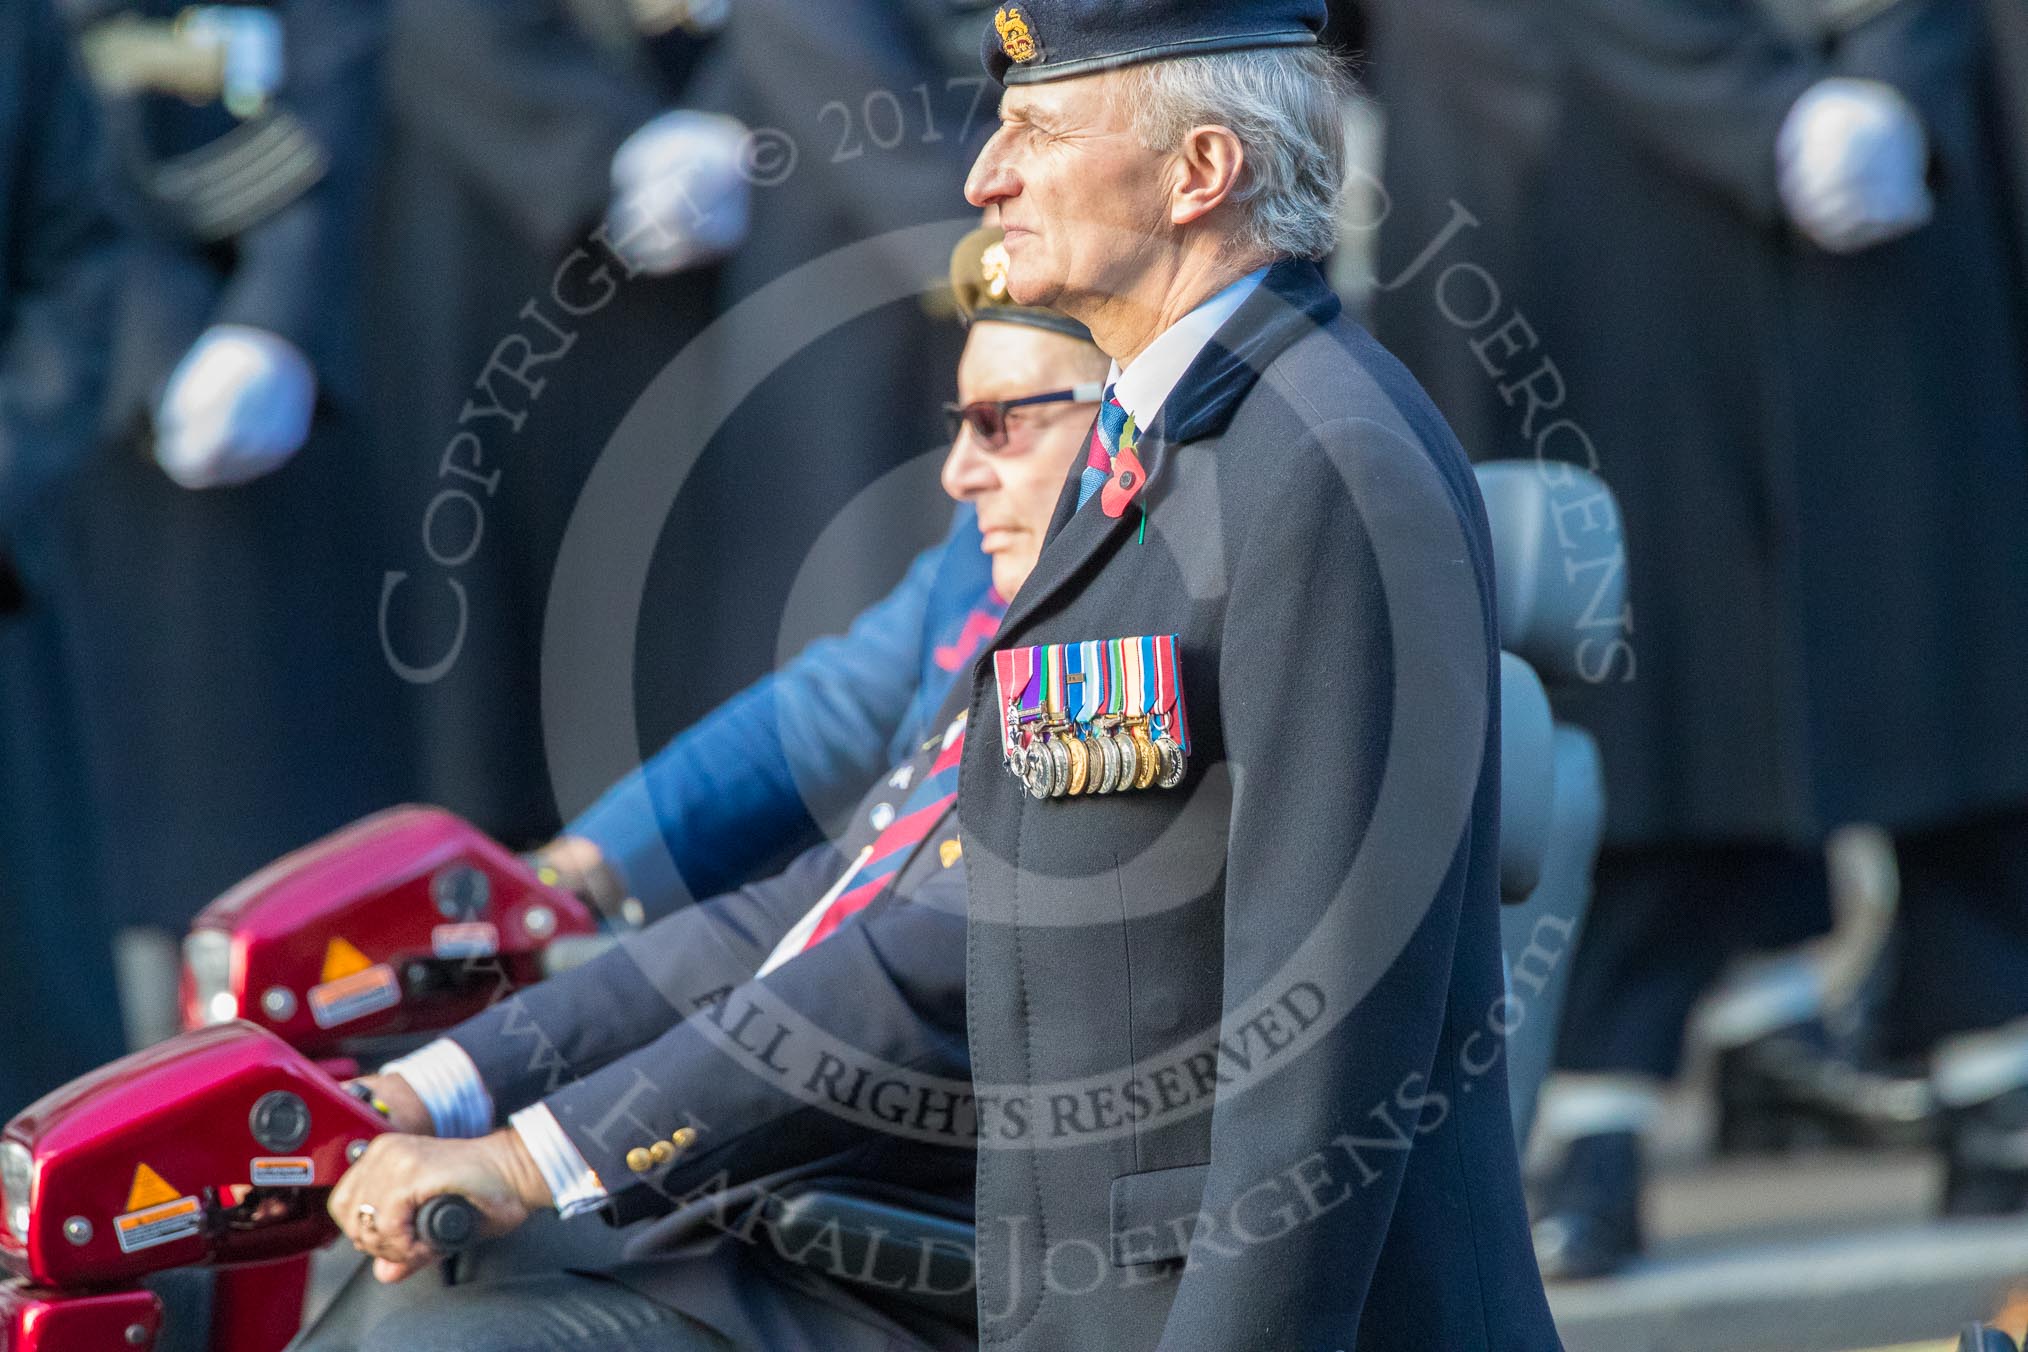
(1068, 760)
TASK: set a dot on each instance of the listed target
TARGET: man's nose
(968, 470)
(990, 180)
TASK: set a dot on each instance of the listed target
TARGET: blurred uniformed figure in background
(217, 548)
(572, 194)
(58, 266)
(1761, 265)
(514, 130)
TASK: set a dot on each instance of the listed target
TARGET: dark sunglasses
(988, 417)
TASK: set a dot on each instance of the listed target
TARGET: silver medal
(1035, 770)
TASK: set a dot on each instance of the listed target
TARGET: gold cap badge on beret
(994, 265)
(1088, 36)
(1017, 39)
(980, 272)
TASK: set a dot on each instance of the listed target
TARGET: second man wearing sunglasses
(891, 942)
(1029, 383)
(746, 785)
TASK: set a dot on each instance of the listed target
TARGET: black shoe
(1590, 1223)
(1981, 1338)
(1799, 1087)
(1986, 1157)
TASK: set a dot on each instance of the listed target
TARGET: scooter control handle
(447, 1223)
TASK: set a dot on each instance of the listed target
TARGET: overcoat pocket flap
(1154, 1214)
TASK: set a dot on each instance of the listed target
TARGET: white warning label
(286, 1171)
(159, 1224)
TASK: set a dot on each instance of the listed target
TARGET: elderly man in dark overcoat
(1228, 1026)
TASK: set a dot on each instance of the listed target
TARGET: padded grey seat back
(1559, 566)
(1527, 777)
(1539, 936)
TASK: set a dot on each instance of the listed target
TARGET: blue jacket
(747, 786)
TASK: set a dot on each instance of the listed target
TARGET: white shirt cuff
(571, 1181)
(445, 1079)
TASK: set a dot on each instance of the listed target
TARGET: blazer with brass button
(695, 1089)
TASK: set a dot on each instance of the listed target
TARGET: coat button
(639, 1160)
(684, 1138)
(662, 1151)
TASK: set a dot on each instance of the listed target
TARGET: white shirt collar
(1145, 386)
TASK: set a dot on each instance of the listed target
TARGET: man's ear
(1209, 164)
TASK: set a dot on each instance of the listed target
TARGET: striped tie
(878, 865)
(1105, 444)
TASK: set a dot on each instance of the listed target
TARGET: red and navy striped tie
(876, 869)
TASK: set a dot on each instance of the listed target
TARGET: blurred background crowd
(316, 318)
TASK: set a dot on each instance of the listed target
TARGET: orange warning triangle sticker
(342, 959)
(149, 1189)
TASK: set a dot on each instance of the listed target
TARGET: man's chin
(1008, 577)
(1037, 295)
(1030, 284)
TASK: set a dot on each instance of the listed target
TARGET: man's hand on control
(402, 1105)
(375, 1202)
(579, 867)
(1854, 165)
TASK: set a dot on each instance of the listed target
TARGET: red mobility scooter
(219, 1147)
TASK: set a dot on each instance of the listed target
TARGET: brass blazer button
(684, 1137)
(639, 1160)
(662, 1151)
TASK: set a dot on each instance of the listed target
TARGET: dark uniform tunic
(57, 269)
(488, 99)
(229, 671)
(496, 166)
(1820, 459)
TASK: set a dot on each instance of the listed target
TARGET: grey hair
(1285, 104)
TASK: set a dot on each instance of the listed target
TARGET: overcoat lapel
(1292, 300)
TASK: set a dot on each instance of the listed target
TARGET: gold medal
(1080, 762)
(1174, 761)
(1148, 762)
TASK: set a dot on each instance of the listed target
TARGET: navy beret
(1038, 40)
